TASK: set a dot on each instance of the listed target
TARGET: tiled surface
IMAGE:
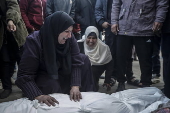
(16, 93)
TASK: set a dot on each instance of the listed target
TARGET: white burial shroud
(141, 100)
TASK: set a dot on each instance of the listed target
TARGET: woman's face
(65, 35)
(91, 41)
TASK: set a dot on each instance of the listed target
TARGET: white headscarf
(100, 54)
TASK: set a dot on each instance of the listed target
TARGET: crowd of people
(41, 36)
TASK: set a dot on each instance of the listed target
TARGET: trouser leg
(144, 49)
(165, 48)
(97, 72)
(7, 67)
(129, 71)
(110, 40)
(156, 65)
(124, 46)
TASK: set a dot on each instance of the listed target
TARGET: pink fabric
(33, 13)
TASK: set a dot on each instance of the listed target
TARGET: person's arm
(78, 16)
(24, 5)
(161, 10)
(77, 63)
(13, 11)
(116, 6)
(49, 7)
(99, 15)
(28, 68)
(73, 9)
(12, 15)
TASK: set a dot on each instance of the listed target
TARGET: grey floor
(16, 93)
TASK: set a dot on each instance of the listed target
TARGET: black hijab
(57, 56)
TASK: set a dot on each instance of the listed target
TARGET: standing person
(55, 63)
(85, 14)
(165, 48)
(103, 17)
(67, 6)
(33, 13)
(12, 36)
(135, 22)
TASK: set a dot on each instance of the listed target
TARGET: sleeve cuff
(114, 22)
(159, 20)
(76, 77)
(101, 21)
(29, 88)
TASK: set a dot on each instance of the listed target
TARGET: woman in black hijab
(52, 63)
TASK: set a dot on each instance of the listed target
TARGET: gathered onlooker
(136, 22)
(85, 14)
(12, 36)
(67, 6)
(99, 55)
(165, 48)
(103, 17)
(33, 13)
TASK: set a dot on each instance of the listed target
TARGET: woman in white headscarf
(99, 55)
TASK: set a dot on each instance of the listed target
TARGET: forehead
(94, 37)
(69, 28)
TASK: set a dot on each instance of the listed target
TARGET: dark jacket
(30, 74)
(11, 11)
(101, 12)
(33, 13)
(85, 14)
(67, 6)
(136, 17)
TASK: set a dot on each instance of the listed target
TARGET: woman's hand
(47, 100)
(75, 94)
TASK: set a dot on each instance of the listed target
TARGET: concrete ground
(17, 93)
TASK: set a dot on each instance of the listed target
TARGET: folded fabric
(142, 100)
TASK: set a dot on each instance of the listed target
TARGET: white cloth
(22, 105)
(142, 100)
(100, 54)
